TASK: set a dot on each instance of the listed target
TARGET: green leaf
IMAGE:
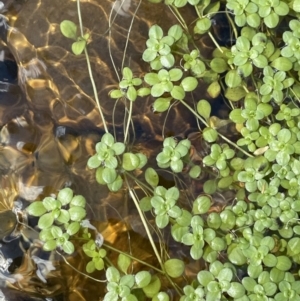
(283, 263)
(116, 185)
(176, 32)
(214, 89)
(68, 29)
(143, 160)
(219, 65)
(73, 228)
(209, 134)
(282, 64)
(77, 214)
(127, 73)
(235, 94)
(46, 221)
(156, 32)
(131, 93)
(178, 93)
(46, 235)
(78, 200)
(162, 104)
(63, 217)
(174, 267)
(233, 79)
(162, 221)
(93, 162)
(51, 203)
(123, 263)
(153, 287)
(36, 209)
(293, 246)
(142, 279)
(49, 245)
(204, 108)
(189, 84)
(68, 247)
(210, 186)
(112, 274)
(116, 94)
(145, 204)
(236, 256)
(236, 116)
(161, 296)
(205, 277)
(65, 196)
(271, 20)
(130, 161)
(195, 172)
(90, 267)
(151, 177)
(203, 25)
(109, 175)
(201, 205)
(78, 47)
(296, 6)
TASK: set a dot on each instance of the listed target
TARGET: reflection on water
(49, 125)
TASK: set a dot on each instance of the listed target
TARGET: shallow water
(49, 124)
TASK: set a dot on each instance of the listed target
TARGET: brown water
(49, 125)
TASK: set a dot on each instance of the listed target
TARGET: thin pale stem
(90, 69)
(128, 121)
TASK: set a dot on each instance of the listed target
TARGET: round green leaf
(233, 79)
(210, 135)
(78, 200)
(63, 217)
(78, 47)
(49, 245)
(204, 108)
(130, 161)
(196, 171)
(68, 29)
(77, 214)
(189, 84)
(203, 25)
(283, 263)
(73, 228)
(174, 267)
(151, 177)
(142, 279)
(68, 247)
(162, 104)
(36, 209)
(201, 205)
(176, 32)
(156, 32)
(109, 175)
(214, 89)
(178, 93)
(46, 221)
(65, 196)
(153, 287)
(123, 263)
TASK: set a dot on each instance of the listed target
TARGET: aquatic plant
(250, 244)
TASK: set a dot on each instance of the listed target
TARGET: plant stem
(128, 121)
(141, 214)
(90, 70)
